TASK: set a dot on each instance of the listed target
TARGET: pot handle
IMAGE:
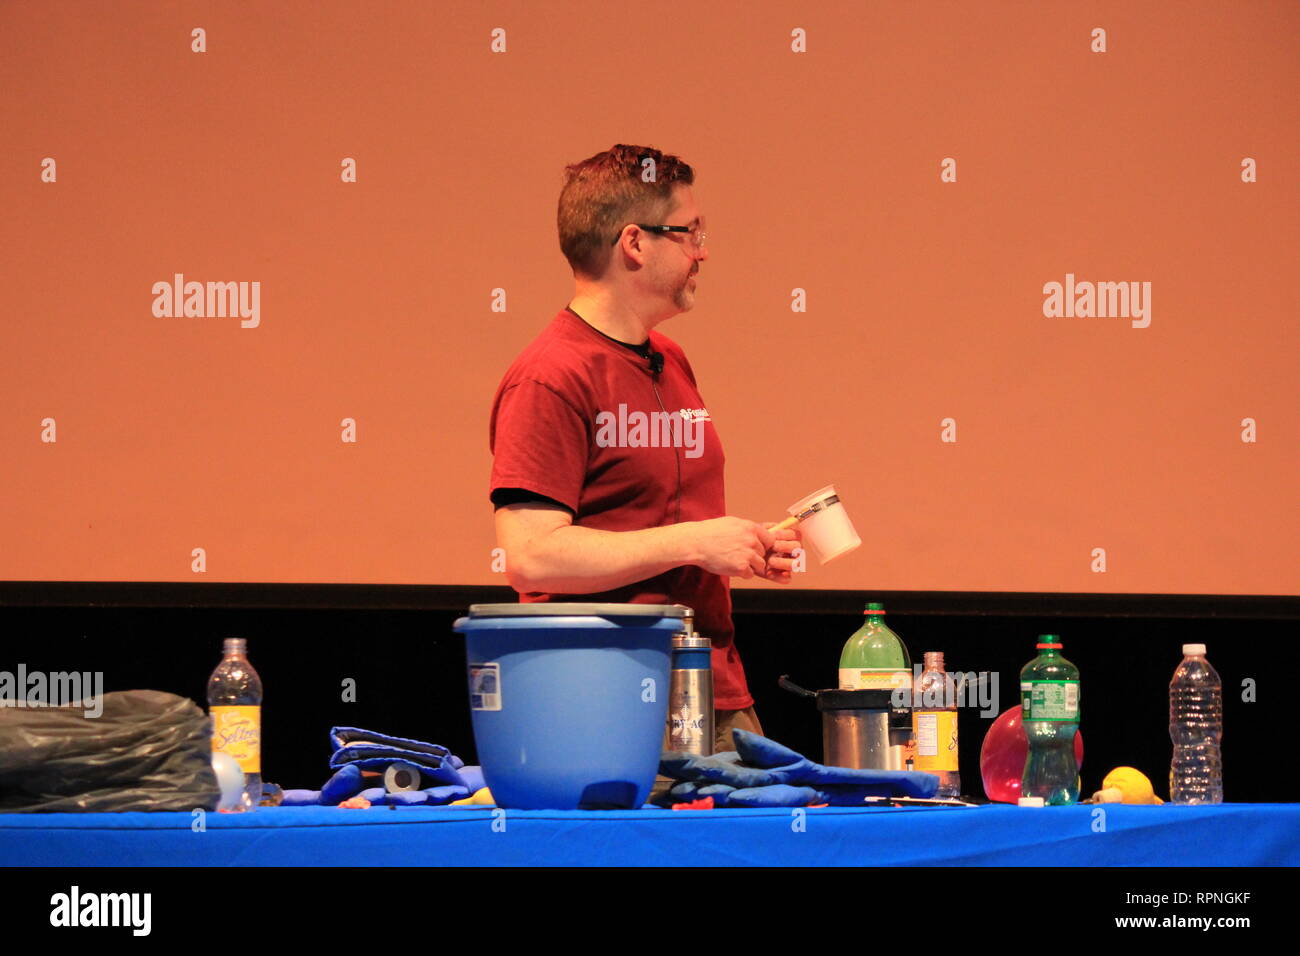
(786, 684)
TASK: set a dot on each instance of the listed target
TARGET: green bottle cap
(1049, 642)
(874, 607)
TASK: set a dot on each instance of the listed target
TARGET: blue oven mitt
(346, 783)
(301, 798)
(473, 777)
(789, 767)
(725, 768)
(773, 795)
(367, 750)
(763, 773)
(777, 795)
(688, 791)
(832, 794)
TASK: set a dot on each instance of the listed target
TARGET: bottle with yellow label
(235, 705)
(934, 724)
(874, 658)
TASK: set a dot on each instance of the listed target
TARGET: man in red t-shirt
(608, 472)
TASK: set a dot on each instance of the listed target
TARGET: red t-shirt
(576, 419)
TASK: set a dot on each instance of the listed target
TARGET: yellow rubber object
(480, 798)
(1132, 783)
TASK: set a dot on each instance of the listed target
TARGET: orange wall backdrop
(820, 133)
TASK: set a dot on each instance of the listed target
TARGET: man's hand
(746, 549)
(733, 546)
(780, 557)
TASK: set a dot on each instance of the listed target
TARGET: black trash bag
(148, 750)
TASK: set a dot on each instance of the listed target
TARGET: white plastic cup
(829, 533)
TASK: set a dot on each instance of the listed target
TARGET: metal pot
(860, 728)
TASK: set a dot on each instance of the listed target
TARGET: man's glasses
(697, 233)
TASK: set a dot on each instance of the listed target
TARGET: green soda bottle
(1049, 712)
(874, 658)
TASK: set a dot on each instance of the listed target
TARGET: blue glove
(777, 795)
(773, 795)
(344, 785)
(720, 768)
(788, 767)
(473, 777)
(301, 798)
(689, 791)
(763, 773)
(432, 797)
(347, 783)
(413, 798)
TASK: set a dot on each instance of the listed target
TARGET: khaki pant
(724, 721)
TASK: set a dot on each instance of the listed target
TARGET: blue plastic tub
(569, 701)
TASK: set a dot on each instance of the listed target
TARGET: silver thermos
(690, 693)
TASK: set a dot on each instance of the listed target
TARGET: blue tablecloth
(1226, 835)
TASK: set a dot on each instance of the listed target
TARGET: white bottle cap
(1193, 650)
(1030, 802)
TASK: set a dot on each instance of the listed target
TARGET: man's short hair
(604, 193)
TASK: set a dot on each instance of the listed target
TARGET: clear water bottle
(1195, 727)
(1049, 702)
(235, 705)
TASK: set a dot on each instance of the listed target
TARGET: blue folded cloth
(348, 783)
(369, 750)
(354, 739)
(357, 750)
(763, 773)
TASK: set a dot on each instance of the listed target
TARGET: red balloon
(1002, 756)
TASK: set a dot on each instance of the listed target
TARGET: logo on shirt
(680, 429)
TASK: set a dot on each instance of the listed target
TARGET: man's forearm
(577, 560)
